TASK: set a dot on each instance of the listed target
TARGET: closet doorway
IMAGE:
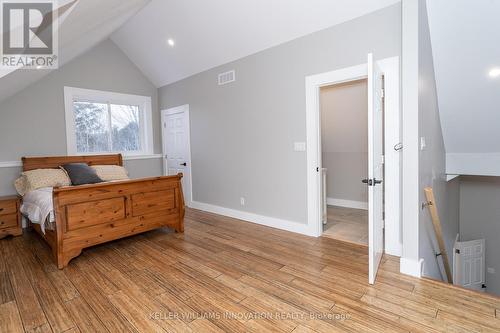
(383, 166)
(344, 150)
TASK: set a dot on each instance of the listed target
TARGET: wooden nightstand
(10, 216)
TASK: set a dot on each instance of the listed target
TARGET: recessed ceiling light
(495, 72)
(38, 67)
(170, 42)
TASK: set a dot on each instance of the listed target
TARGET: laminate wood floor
(224, 275)
(347, 224)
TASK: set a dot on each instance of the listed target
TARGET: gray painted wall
(32, 122)
(242, 133)
(480, 218)
(344, 139)
(432, 161)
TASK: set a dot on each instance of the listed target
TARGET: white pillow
(35, 179)
(111, 172)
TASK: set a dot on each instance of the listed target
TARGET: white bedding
(38, 206)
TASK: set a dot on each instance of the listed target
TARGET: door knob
(371, 182)
(184, 164)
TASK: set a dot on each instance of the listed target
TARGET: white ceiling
(215, 32)
(466, 45)
(88, 23)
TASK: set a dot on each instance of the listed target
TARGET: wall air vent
(227, 77)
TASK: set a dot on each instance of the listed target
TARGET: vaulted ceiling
(211, 33)
(466, 47)
(88, 22)
(206, 33)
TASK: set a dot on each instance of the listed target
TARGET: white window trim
(144, 103)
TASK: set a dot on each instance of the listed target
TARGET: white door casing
(176, 146)
(392, 156)
(313, 126)
(391, 69)
(375, 169)
(469, 264)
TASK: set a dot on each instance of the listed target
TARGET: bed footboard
(93, 214)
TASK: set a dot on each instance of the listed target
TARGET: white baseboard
(411, 267)
(347, 203)
(255, 218)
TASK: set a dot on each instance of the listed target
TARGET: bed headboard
(53, 162)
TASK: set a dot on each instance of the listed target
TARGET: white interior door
(469, 264)
(176, 146)
(375, 169)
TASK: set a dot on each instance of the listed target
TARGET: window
(106, 127)
(106, 122)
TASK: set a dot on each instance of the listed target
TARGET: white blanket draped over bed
(38, 206)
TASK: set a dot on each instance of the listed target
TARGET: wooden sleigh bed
(88, 215)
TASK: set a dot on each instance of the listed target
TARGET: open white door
(469, 264)
(375, 169)
(176, 146)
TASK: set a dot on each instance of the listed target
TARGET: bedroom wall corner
(432, 162)
(32, 122)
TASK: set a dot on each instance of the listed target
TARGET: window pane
(92, 127)
(125, 127)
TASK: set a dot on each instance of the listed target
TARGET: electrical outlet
(491, 270)
(242, 201)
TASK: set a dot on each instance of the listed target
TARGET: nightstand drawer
(8, 207)
(8, 221)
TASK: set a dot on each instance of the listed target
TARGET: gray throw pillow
(81, 173)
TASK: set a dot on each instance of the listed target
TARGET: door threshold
(344, 241)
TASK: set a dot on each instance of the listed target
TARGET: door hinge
(383, 92)
(382, 158)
